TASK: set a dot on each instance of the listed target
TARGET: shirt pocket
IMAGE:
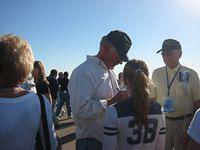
(183, 89)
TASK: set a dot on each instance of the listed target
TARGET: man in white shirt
(93, 87)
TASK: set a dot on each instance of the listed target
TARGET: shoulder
(124, 108)
(190, 70)
(46, 103)
(197, 115)
(154, 108)
(90, 70)
(44, 84)
(158, 70)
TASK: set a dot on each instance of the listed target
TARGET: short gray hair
(105, 41)
(16, 60)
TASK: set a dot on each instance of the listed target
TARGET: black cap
(169, 45)
(121, 42)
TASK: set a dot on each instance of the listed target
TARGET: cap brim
(159, 51)
(124, 58)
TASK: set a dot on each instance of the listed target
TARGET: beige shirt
(185, 89)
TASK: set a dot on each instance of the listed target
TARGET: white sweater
(20, 121)
(90, 86)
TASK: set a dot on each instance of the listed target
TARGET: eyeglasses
(168, 53)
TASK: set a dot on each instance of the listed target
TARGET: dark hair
(41, 74)
(66, 74)
(136, 72)
(53, 72)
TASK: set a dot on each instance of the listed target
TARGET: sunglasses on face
(168, 53)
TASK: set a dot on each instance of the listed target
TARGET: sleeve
(194, 128)
(110, 129)
(46, 89)
(84, 104)
(153, 86)
(52, 133)
(195, 86)
(160, 141)
(154, 76)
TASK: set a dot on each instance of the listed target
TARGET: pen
(118, 89)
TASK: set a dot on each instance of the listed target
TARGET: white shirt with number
(121, 131)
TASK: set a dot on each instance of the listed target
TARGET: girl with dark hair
(138, 122)
(41, 82)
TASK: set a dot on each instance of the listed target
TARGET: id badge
(168, 105)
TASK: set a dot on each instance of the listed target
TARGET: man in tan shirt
(178, 91)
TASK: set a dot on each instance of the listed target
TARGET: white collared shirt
(90, 86)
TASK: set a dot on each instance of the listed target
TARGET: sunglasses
(168, 53)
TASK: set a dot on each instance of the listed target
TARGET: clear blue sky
(63, 32)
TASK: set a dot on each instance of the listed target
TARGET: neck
(101, 57)
(9, 88)
(173, 66)
(12, 92)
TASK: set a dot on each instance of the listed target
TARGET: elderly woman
(20, 109)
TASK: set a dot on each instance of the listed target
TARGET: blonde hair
(136, 72)
(41, 75)
(16, 60)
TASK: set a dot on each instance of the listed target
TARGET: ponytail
(140, 96)
(136, 74)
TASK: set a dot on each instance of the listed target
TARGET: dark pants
(88, 144)
(64, 97)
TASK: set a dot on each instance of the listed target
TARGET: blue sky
(63, 32)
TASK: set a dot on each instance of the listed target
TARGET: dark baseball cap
(169, 45)
(121, 42)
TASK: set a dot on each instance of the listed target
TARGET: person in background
(93, 86)
(177, 90)
(194, 132)
(121, 84)
(59, 79)
(20, 112)
(64, 96)
(29, 84)
(54, 87)
(138, 122)
(42, 85)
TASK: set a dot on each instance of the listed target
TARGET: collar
(97, 61)
(173, 70)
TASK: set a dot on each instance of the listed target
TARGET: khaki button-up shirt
(185, 88)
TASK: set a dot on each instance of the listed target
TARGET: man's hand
(120, 96)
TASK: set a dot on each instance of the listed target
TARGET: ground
(65, 131)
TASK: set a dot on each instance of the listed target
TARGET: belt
(179, 118)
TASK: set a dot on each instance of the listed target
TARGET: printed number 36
(149, 133)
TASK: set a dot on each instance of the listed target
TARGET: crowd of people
(131, 112)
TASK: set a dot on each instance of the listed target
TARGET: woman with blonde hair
(138, 122)
(41, 82)
(20, 110)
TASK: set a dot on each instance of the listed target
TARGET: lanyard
(170, 84)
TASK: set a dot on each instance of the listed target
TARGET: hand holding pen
(120, 96)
